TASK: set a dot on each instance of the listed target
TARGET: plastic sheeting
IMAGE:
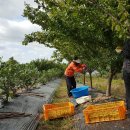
(29, 104)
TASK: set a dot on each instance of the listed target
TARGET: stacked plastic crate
(81, 94)
(105, 112)
(57, 110)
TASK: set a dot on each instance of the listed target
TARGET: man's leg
(126, 77)
(74, 86)
(69, 85)
(73, 82)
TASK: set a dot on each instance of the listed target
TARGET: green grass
(118, 88)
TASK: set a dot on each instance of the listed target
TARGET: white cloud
(13, 9)
(23, 53)
(13, 28)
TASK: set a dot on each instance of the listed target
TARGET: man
(126, 71)
(125, 51)
(73, 67)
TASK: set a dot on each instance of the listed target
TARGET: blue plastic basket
(80, 91)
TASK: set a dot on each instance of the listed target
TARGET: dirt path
(99, 97)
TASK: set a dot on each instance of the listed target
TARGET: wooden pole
(84, 79)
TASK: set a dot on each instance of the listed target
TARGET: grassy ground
(118, 89)
(61, 96)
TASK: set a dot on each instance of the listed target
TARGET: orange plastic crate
(105, 112)
(57, 110)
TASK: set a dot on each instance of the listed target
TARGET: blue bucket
(80, 91)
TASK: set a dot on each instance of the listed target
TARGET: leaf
(117, 28)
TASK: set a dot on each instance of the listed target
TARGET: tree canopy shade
(73, 26)
(68, 26)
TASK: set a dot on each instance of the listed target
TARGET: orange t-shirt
(73, 68)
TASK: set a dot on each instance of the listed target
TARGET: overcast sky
(13, 27)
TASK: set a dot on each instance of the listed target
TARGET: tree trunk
(90, 75)
(14, 92)
(7, 94)
(84, 79)
(26, 87)
(108, 91)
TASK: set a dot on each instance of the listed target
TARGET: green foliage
(8, 76)
(50, 74)
(28, 75)
(117, 16)
(14, 75)
(42, 64)
(71, 28)
(68, 26)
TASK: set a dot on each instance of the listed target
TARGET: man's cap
(119, 49)
(77, 61)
